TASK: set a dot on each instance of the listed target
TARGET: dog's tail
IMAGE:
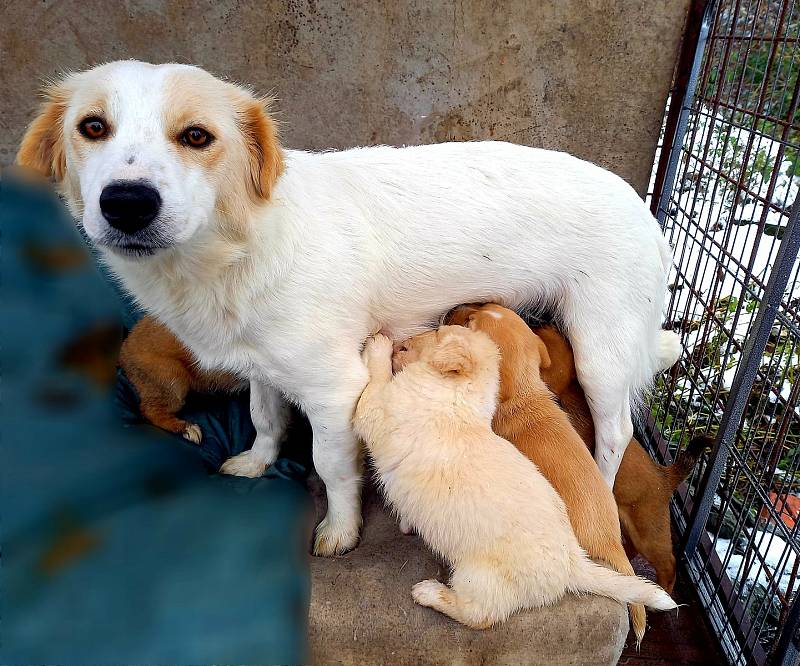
(686, 460)
(668, 349)
(596, 579)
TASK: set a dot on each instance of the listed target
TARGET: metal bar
(751, 114)
(683, 110)
(744, 377)
(787, 649)
(683, 73)
(742, 38)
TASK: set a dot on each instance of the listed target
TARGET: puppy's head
(457, 355)
(523, 353)
(148, 157)
(560, 374)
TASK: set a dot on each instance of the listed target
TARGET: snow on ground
(779, 560)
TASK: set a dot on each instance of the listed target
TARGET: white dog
(278, 264)
(471, 495)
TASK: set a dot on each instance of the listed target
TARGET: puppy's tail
(668, 349)
(596, 579)
(615, 556)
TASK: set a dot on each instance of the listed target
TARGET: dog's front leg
(270, 414)
(337, 459)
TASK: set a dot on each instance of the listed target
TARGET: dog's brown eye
(195, 137)
(93, 128)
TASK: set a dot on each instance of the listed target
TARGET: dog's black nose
(129, 206)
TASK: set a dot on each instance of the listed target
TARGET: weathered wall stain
(590, 78)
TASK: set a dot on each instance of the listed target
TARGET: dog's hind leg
(270, 414)
(612, 341)
(602, 371)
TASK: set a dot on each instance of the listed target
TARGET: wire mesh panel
(728, 205)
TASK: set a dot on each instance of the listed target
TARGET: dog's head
(149, 156)
(524, 354)
(456, 355)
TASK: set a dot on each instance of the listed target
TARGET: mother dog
(277, 264)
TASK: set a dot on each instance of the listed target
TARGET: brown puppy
(642, 489)
(163, 372)
(527, 415)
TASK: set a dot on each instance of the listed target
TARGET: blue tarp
(120, 543)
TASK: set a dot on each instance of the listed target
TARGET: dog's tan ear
(265, 153)
(453, 356)
(42, 147)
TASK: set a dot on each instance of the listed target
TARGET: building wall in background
(586, 76)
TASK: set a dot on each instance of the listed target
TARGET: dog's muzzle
(129, 206)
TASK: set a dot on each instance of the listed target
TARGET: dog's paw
(245, 464)
(428, 592)
(192, 433)
(331, 539)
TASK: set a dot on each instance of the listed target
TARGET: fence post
(677, 94)
(743, 379)
(683, 119)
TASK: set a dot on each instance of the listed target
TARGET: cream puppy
(472, 496)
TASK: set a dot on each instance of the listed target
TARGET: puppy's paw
(332, 538)
(248, 463)
(428, 593)
(192, 433)
(406, 527)
(378, 347)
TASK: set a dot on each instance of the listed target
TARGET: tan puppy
(528, 416)
(163, 372)
(642, 489)
(473, 497)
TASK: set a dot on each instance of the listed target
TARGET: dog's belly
(413, 305)
(425, 229)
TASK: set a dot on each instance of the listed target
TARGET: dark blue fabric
(119, 546)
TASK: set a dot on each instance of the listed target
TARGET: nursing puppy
(163, 372)
(474, 499)
(277, 265)
(528, 417)
(643, 489)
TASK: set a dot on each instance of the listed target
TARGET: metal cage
(726, 193)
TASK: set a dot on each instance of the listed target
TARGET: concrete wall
(586, 76)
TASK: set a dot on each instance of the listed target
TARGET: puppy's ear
(42, 147)
(453, 356)
(265, 157)
(544, 355)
